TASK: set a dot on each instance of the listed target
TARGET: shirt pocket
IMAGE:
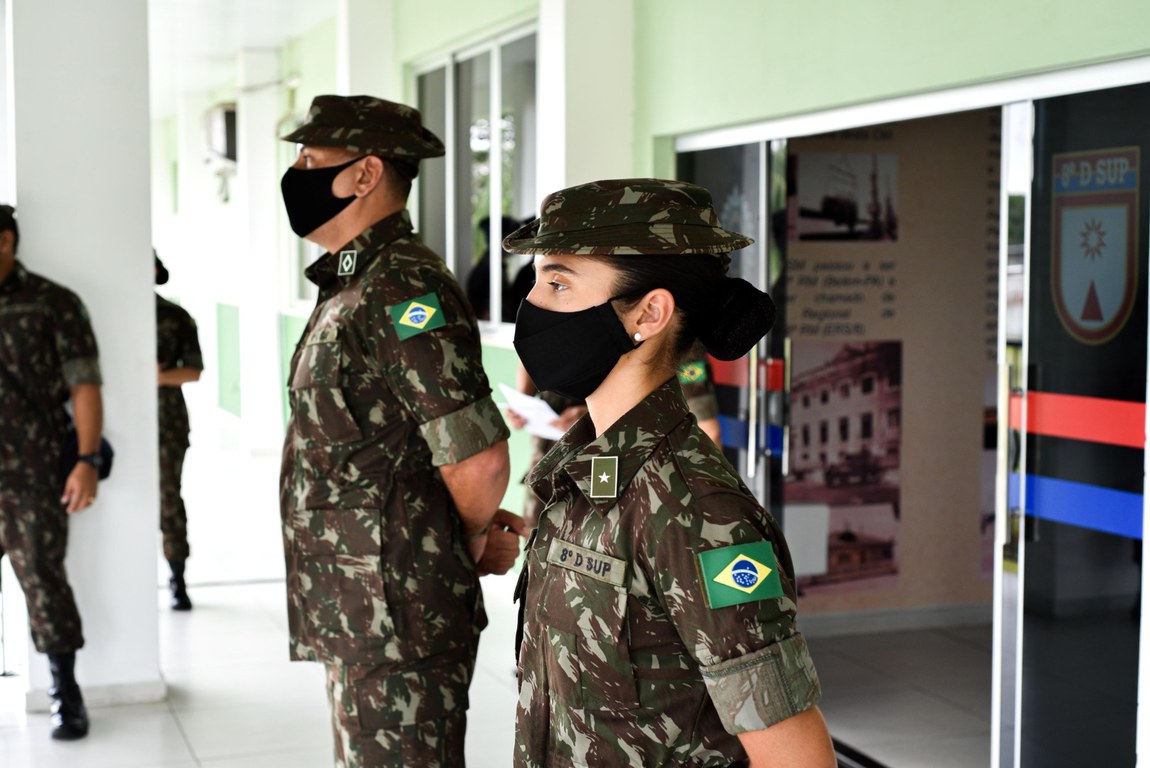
(341, 573)
(586, 624)
(318, 390)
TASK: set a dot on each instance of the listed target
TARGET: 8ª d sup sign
(1094, 274)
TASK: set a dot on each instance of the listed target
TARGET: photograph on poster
(844, 196)
(845, 442)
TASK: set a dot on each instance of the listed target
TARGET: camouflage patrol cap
(367, 125)
(627, 216)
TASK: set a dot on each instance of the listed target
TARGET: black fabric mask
(308, 198)
(570, 352)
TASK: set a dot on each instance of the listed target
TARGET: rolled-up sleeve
(765, 687)
(464, 433)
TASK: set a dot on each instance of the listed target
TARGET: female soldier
(658, 604)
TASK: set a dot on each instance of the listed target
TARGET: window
(482, 104)
(845, 390)
(806, 401)
(806, 432)
(823, 433)
(845, 429)
(824, 396)
(866, 428)
(893, 418)
(868, 385)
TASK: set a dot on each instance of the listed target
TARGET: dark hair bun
(742, 315)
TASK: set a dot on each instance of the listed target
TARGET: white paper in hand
(537, 413)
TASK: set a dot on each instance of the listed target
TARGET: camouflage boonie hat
(627, 216)
(367, 125)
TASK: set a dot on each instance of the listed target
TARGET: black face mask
(308, 198)
(570, 352)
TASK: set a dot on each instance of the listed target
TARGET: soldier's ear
(7, 240)
(652, 314)
(369, 175)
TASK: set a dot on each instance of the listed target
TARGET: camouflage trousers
(409, 715)
(34, 535)
(173, 515)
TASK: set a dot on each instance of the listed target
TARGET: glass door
(1082, 415)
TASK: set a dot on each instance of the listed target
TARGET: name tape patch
(588, 562)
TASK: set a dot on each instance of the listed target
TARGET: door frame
(998, 93)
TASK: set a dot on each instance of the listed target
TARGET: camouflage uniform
(46, 342)
(625, 663)
(177, 346)
(386, 386)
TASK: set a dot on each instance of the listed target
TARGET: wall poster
(891, 286)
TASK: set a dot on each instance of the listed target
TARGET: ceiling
(193, 43)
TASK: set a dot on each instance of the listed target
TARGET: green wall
(707, 65)
(431, 27)
(228, 349)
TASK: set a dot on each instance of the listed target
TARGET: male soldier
(47, 354)
(178, 362)
(395, 458)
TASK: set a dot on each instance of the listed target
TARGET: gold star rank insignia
(743, 573)
(604, 477)
(690, 373)
(416, 316)
(347, 261)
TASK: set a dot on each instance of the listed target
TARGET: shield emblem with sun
(1094, 275)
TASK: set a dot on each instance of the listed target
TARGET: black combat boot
(69, 717)
(180, 599)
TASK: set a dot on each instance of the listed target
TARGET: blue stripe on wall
(735, 435)
(1087, 506)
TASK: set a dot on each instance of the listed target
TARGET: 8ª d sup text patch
(416, 316)
(743, 573)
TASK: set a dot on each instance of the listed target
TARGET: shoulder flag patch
(743, 573)
(691, 373)
(416, 316)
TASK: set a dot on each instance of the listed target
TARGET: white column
(365, 49)
(258, 267)
(586, 98)
(81, 128)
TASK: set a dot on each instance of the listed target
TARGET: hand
(502, 546)
(80, 487)
(569, 416)
(515, 420)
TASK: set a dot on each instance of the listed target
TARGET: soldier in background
(178, 362)
(395, 459)
(48, 355)
(657, 606)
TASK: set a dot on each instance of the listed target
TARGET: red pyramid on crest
(1092, 311)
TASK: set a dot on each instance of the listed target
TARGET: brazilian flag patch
(691, 373)
(416, 316)
(743, 573)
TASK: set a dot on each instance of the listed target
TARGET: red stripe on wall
(1116, 422)
(734, 373)
(729, 373)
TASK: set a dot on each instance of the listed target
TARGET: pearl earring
(638, 336)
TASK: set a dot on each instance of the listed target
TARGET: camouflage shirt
(623, 661)
(386, 385)
(177, 346)
(47, 344)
